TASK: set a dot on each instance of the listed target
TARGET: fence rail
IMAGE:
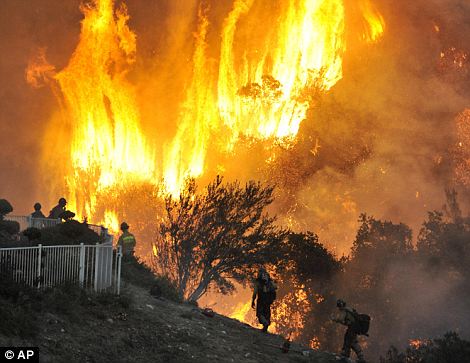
(89, 266)
(28, 221)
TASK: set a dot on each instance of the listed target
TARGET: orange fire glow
(241, 311)
(282, 313)
(417, 343)
(257, 88)
(375, 23)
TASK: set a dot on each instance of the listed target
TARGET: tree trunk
(200, 290)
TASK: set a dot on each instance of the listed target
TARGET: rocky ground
(141, 328)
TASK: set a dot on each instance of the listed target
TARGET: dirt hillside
(141, 328)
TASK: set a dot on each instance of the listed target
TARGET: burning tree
(209, 238)
(305, 271)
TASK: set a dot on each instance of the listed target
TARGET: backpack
(362, 323)
(271, 292)
(270, 295)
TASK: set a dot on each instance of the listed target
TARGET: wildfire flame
(111, 221)
(241, 311)
(309, 38)
(187, 152)
(315, 343)
(417, 343)
(258, 88)
(375, 23)
(107, 146)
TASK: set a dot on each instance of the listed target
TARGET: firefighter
(264, 293)
(58, 211)
(126, 241)
(348, 316)
(37, 211)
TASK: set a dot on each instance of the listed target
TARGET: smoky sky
(24, 112)
(386, 130)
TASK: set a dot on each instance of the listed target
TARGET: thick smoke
(387, 129)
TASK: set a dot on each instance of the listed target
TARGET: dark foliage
(32, 234)
(68, 233)
(408, 291)
(449, 349)
(9, 227)
(162, 287)
(306, 258)
(137, 272)
(307, 267)
(5, 208)
(210, 238)
(21, 306)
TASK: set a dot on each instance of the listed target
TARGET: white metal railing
(89, 266)
(28, 221)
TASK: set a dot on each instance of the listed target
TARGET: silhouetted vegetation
(212, 238)
(449, 349)
(5, 208)
(21, 306)
(7, 227)
(68, 233)
(410, 291)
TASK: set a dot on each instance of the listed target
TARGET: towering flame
(258, 89)
(198, 115)
(260, 85)
(107, 145)
(374, 21)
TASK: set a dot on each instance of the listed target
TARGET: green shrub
(10, 227)
(16, 316)
(110, 299)
(17, 320)
(449, 349)
(5, 208)
(68, 233)
(163, 287)
(32, 233)
(137, 272)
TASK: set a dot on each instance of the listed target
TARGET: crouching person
(264, 294)
(358, 324)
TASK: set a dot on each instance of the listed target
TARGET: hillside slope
(106, 329)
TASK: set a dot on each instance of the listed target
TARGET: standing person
(37, 211)
(126, 241)
(59, 210)
(264, 293)
(349, 317)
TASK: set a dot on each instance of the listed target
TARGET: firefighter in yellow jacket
(126, 241)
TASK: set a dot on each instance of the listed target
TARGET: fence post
(118, 267)
(97, 249)
(81, 270)
(39, 265)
